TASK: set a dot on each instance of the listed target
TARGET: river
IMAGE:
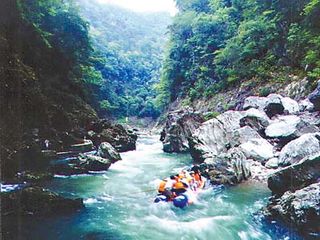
(119, 205)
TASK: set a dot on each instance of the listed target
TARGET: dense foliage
(217, 43)
(128, 54)
(45, 61)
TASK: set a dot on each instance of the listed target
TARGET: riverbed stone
(179, 126)
(106, 150)
(314, 97)
(304, 146)
(228, 168)
(296, 176)
(272, 163)
(213, 136)
(258, 149)
(37, 201)
(289, 127)
(299, 209)
(256, 119)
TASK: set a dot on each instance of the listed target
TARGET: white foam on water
(90, 201)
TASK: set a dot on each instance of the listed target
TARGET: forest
(216, 44)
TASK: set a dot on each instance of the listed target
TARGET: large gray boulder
(228, 168)
(213, 136)
(83, 164)
(299, 209)
(273, 104)
(37, 201)
(258, 149)
(290, 126)
(179, 126)
(296, 150)
(256, 119)
(107, 151)
(314, 97)
(296, 176)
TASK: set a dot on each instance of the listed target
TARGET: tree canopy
(215, 44)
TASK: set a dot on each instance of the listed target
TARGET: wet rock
(85, 146)
(299, 209)
(230, 168)
(290, 127)
(179, 126)
(296, 176)
(82, 165)
(38, 202)
(107, 151)
(94, 163)
(119, 137)
(296, 150)
(34, 177)
(314, 97)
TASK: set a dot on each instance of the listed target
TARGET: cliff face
(38, 100)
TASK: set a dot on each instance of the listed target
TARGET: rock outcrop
(230, 168)
(118, 136)
(314, 97)
(107, 151)
(296, 176)
(296, 150)
(83, 164)
(37, 201)
(299, 209)
(179, 126)
(296, 196)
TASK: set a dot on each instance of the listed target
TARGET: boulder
(256, 119)
(258, 149)
(38, 202)
(94, 163)
(255, 102)
(305, 105)
(34, 177)
(306, 145)
(117, 135)
(296, 176)
(290, 106)
(243, 135)
(82, 165)
(179, 126)
(314, 97)
(230, 168)
(299, 209)
(213, 136)
(274, 105)
(272, 163)
(289, 127)
(107, 151)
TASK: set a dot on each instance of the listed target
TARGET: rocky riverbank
(273, 138)
(86, 150)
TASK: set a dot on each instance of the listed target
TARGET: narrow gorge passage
(119, 205)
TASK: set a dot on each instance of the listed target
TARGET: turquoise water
(119, 205)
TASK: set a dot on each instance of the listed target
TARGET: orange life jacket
(162, 186)
(197, 177)
(179, 185)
